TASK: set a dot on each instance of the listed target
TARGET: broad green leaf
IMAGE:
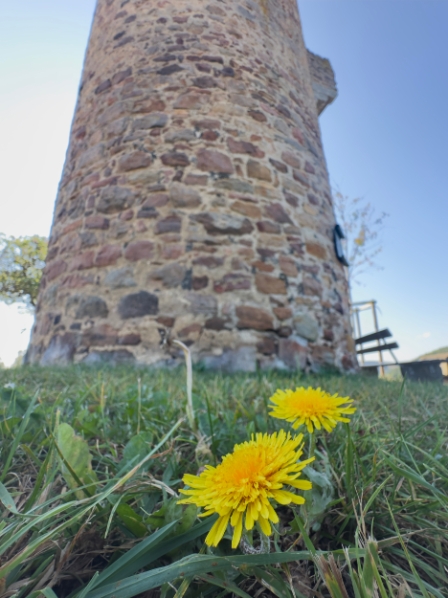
(132, 520)
(137, 448)
(7, 500)
(75, 459)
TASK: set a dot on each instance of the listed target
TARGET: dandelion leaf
(320, 497)
(137, 448)
(132, 520)
(75, 460)
(171, 511)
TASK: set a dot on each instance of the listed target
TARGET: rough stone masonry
(195, 198)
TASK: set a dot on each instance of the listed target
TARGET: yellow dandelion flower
(311, 407)
(240, 489)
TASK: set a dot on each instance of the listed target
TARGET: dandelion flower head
(240, 489)
(311, 407)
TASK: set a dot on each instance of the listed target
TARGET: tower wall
(195, 196)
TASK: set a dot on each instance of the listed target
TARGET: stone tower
(195, 196)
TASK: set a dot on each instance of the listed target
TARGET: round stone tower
(194, 202)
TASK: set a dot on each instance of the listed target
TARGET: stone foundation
(195, 197)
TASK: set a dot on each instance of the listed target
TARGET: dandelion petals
(241, 488)
(311, 407)
(265, 526)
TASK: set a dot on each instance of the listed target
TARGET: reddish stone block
(214, 161)
(121, 75)
(166, 321)
(237, 264)
(292, 160)
(329, 335)
(216, 323)
(267, 226)
(270, 285)
(172, 252)
(139, 250)
(209, 261)
(175, 159)
(131, 339)
(254, 317)
(52, 253)
(258, 116)
(297, 134)
(348, 363)
(127, 215)
(100, 336)
(97, 222)
(244, 147)
(191, 330)
(299, 177)
(184, 197)
(293, 200)
(207, 123)
(282, 313)
(232, 282)
(55, 269)
(196, 179)
(292, 353)
(104, 86)
(278, 165)
(288, 265)
(205, 82)
(311, 286)
(170, 224)
(284, 331)
(267, 346)
(71, 227)
(256, 170)
(75, 281)
(262, 266)
(134, 161)
(191, 101)
(199, 282)
(112, 180)
(277, 212)
(316, 250)
(108, 255)
(84, 261)
(309, 168)
(145, 106)
(156, 200)
(247, 209)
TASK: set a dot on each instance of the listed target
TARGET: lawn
(92, 460)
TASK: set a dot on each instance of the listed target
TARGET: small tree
(362, 227)
(21, 262)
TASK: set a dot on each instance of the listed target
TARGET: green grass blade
(405, 471)
(18, 437)
(130, 562)
(188, 567)
(225, 584)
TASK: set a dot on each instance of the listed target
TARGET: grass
(94, 514)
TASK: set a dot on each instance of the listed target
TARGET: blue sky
(385, 139)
